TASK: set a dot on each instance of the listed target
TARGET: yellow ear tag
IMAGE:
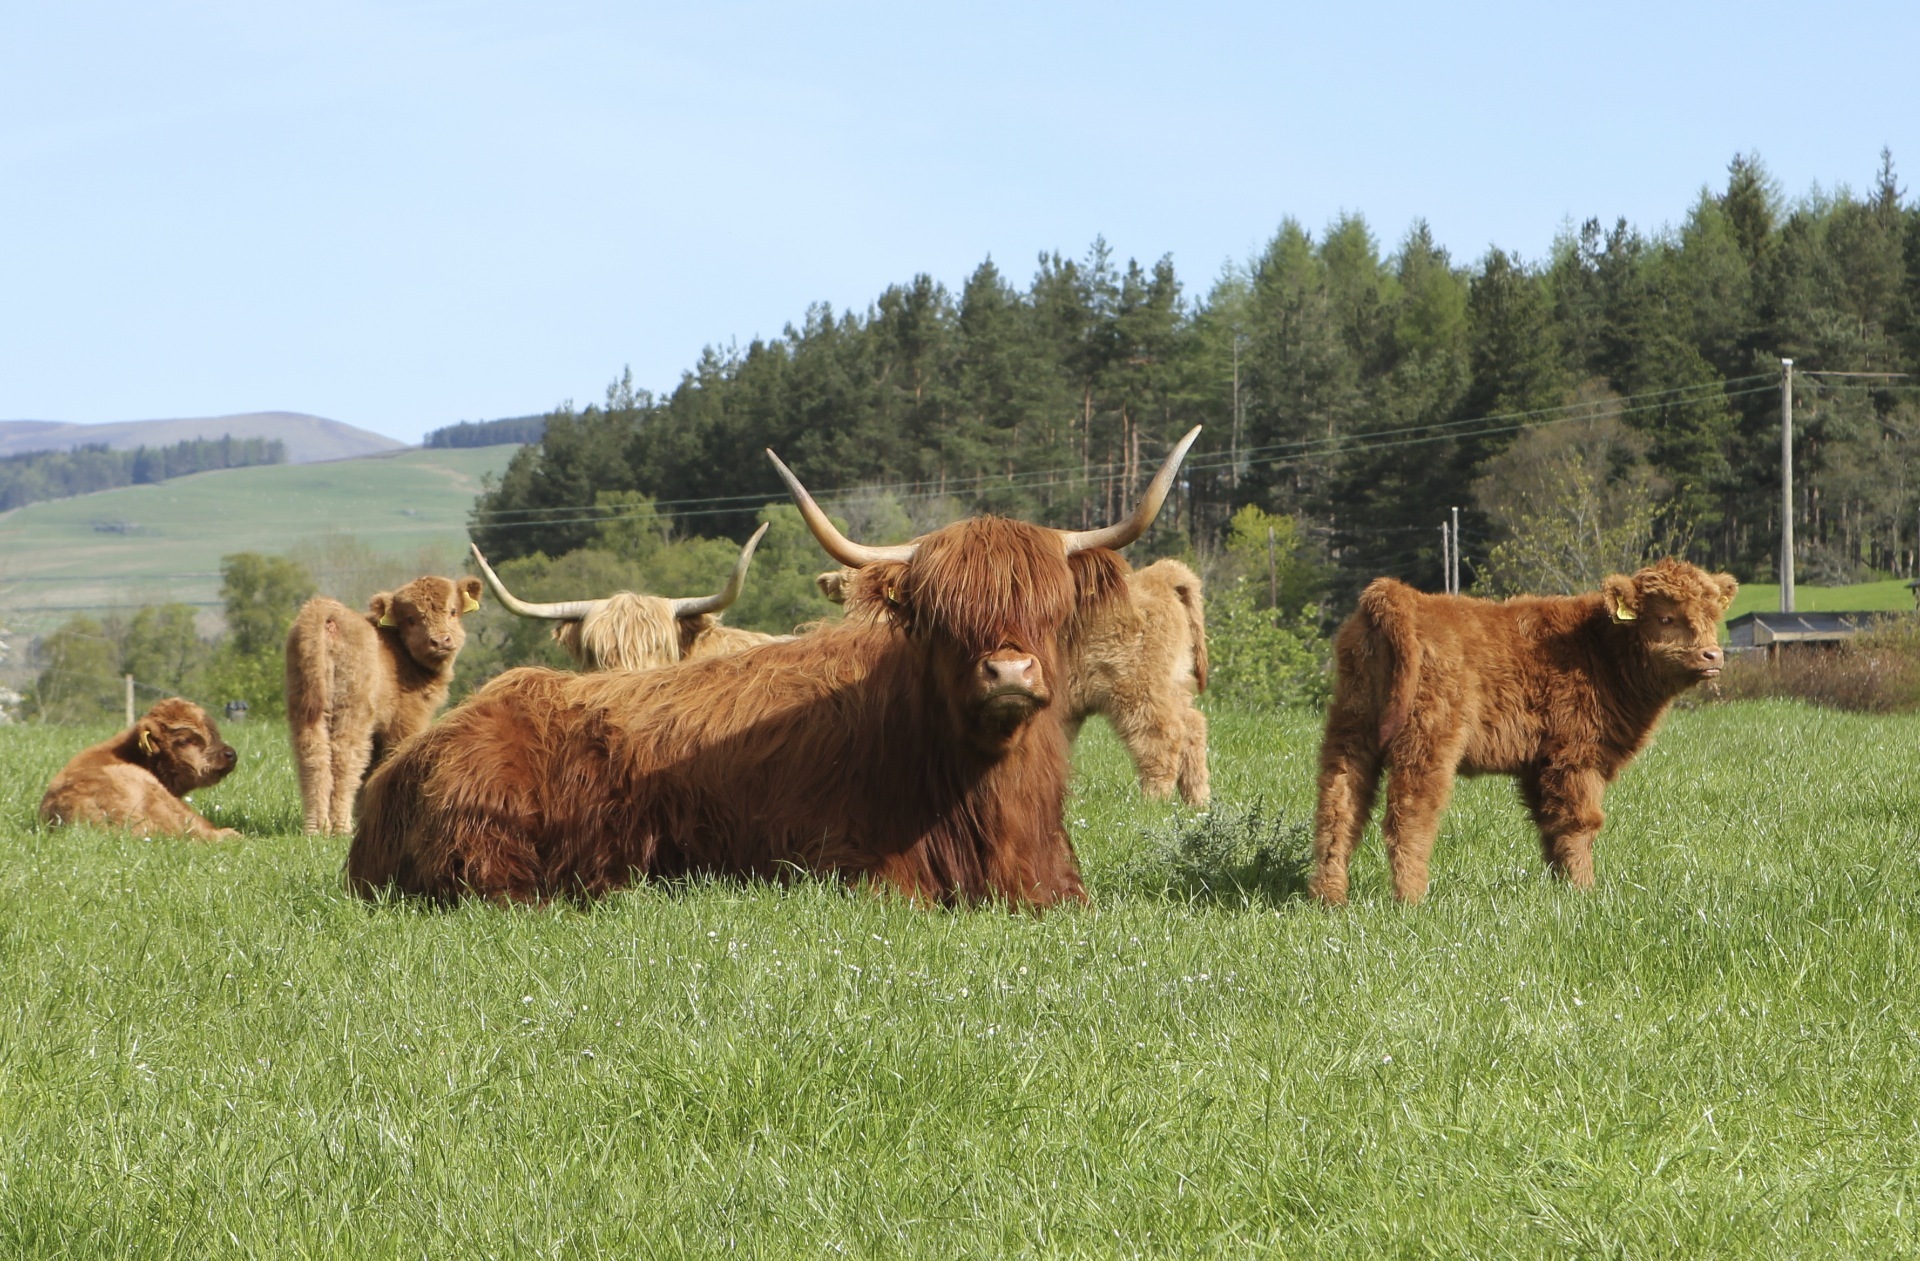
(469, 604)
(1625, 614)
(146, 741)
(386, 619)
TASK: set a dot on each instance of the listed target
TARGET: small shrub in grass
(1875, 672)
(1263, 658)
(1236, 854)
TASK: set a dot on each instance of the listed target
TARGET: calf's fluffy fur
(136, 779)
(1140, 659)
(1559, 692)
(360, 683)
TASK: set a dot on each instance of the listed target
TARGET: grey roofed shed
(1765, 630)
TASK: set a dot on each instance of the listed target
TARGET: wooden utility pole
(1233, 475)
(129, 700)
(1786, 485)
(1273, 579)
(1455, 575)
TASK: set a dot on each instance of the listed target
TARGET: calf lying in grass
(1559, 692)
(136, 779)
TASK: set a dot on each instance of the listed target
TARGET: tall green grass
(210, 1050)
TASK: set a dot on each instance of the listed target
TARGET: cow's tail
(1386, 607)
(1191, 600)
(309, 673)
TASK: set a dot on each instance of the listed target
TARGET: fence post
(129, 700)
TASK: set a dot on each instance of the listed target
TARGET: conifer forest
(1626, 388)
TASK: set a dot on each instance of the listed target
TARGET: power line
(932, 487)
(1305, 449)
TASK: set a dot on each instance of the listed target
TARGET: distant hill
(307, 438)
(154, 543)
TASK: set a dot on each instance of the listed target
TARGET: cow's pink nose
(1009, 673)
(1712, 656)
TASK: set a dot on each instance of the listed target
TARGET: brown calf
(1140, 661)
(1560, 692)
(136, 779)
(360, 683)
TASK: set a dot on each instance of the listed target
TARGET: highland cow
(360, 683)
(1559, 692)
(625, 631)
(1140, 661)
(136, 779)
(920, 750)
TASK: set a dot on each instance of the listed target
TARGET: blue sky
(400, 215)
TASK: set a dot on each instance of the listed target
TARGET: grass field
(209, 1050)
(1891, 595)
(55, 558)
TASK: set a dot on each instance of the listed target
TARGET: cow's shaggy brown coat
(360, 683)
(1559, 692)
(1141, 661)
(918, 750)
(136, 779)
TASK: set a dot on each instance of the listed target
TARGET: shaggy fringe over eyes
(988, 580)
(628, 632)
(1682, 583)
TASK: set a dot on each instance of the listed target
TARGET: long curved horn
(839, 546)
(694, 605)
(1122, 533)
(564, 610)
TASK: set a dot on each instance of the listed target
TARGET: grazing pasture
(214, 1050)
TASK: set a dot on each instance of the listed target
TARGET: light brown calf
(1140, 661)
(136, 779)
(360, 683)
(1559, 692)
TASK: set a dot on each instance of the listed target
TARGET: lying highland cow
(1140, 661)
(919, 750)
(136, 779)
(1559, 692)
(360, 683)
(625, 631)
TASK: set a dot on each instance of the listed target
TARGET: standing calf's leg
(313, 757)
(351, 753)
(1565, 804)
(1349, 777)
(1416, 796)
(1193, 761)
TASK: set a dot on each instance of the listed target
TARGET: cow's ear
(1622, 597)
(146, 736)
(380, 608)
(469, 594)
(882, 579)
(1098, 574)
(1729, 587)
(833, 585)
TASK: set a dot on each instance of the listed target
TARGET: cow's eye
(1666, 621)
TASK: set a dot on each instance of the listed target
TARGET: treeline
(488, 433)
(38, 475)
(1363, 392)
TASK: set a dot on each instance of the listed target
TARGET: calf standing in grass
(1559, 692)
(136, 779)
(1141, 661)
(360, 683)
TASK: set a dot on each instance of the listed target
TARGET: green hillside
(148, 544)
